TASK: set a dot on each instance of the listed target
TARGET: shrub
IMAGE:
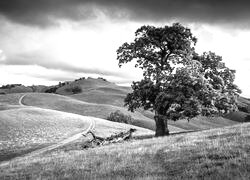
(102, 79)
(76, 90)
(9, 86)
(51, 89)
(243, 109)
(118, 116)
(247, 118)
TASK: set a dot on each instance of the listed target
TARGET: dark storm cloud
(44, 12)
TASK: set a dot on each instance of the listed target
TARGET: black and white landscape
(115, 89)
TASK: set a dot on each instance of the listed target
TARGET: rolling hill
(221, 153)
(25, 129)
(108, 97)
(91, 84)
(10, 99)
(68, 104)
(46, 121)
(96, 91)
(103, 92)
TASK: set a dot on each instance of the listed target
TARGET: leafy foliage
(118, 116)
(247, 118)
(76, 90)
(9, 86)
(178, 83)
(243, 109)
(51, 89)
(154, 49)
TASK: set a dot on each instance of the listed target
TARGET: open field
(97, 91)
(90, 84)
(202, 123)
(67, 104)
(7, 107)
(10, 99)
(99, 98)
(102, 92)
(141, 118)
(102, 96)
(211, 154)
(24, 129)
(198, 123)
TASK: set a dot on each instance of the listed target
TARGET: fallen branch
(100, 141)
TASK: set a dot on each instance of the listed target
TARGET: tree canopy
(177, 82)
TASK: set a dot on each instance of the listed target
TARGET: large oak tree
(178, 83)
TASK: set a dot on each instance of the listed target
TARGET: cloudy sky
(46, 41)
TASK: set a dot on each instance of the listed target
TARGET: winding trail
(21, 99)
(54, 146)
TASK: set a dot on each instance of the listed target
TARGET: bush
(102, 79)
(118, 116)
(9, 86)
(76, 90)
(247, 118)
(51, 89)
(243, 109)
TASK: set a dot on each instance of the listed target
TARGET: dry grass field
(110, 96)
(90, 84)
(219, 150)
(24, 129)
(222, 153)
(97, 91)
(200, 122)
(10, 99)
(101, 92)
(68, 104)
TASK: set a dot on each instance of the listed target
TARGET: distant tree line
(9, 86)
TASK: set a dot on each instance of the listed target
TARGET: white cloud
(232, 45)
(89, 49)
(2, 56)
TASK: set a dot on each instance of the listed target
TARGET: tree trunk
(160, 125)
(166, 127)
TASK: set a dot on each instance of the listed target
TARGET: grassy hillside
(25, 129)
(89, 84)
(110, 96)
(102, 92)
(67, 104)
(212, 154)
(239, 116)
(243, 115)
(10, 99)
(7, 107)
(96, 91)
(199, 122)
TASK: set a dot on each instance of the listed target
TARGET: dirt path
(21, 99)
(54, 146)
